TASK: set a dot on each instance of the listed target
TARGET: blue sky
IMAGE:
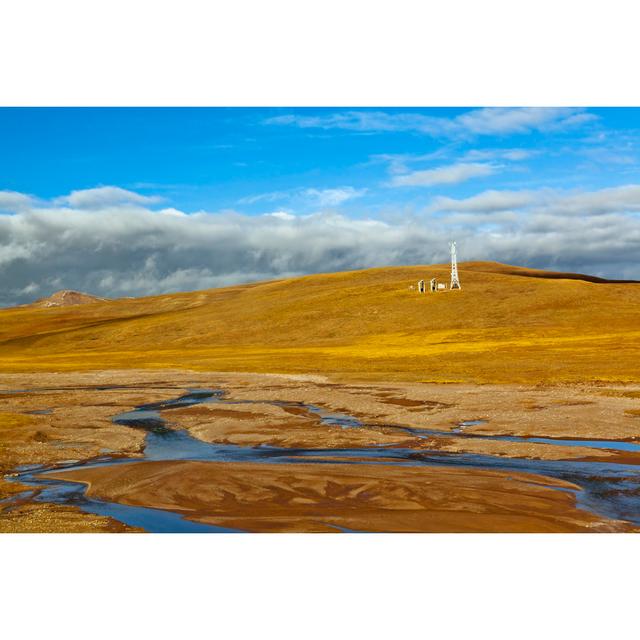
(253, 160)
(137, 201)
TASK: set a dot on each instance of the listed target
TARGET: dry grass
(506, 325)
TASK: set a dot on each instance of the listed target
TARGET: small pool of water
(614, 445)
(334, 419)
(465, 424)
(143, 418)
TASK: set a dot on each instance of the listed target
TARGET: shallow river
(606, 488)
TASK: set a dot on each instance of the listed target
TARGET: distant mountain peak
(67, 298)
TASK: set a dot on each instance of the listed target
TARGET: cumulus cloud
(495, 121)
(621, 199)
(128, 249)
(104, 196)
(12, 200)
(624, 198)
(450, 174)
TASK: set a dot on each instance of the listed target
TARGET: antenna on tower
(455, 282)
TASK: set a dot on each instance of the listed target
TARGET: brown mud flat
(78, 426)
(265, 424)
(325, 498)
(576, 411)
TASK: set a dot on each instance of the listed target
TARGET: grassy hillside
(508, 324)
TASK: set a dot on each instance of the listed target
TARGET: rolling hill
(507, 324)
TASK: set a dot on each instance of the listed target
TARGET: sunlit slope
(507, 324)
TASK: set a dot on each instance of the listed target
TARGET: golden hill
(508, 324)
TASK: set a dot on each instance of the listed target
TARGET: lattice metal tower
(455, 282)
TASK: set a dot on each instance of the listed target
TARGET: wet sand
(324, 498)
(77, 424)
(264, 424)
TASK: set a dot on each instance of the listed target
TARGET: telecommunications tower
(455, 282)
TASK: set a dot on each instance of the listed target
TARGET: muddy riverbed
(276, 453)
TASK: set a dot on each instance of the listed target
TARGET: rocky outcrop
(67, 298)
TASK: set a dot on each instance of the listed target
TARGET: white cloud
(333, 197)
(451, 174)
(510, 120)
(281, 215)
(486, 201)
(271, 196)
(515, 155)
(487, 121)
(105, 196)
(12, 200)
(313, 196)
(130, 250)
(30, 289)
(621, 199)
(367, 121)
(172, 212)
(615, 199)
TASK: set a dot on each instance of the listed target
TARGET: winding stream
(606, 488)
